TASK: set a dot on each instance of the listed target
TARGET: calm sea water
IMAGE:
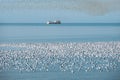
(75, 32)
(34, 32)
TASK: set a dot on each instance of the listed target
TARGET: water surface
(69, 51)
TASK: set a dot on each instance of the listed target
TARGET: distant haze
(89, 7)
(95, 7)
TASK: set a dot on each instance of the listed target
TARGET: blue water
(63, 24)
(60, 76)
(34, 32)
(67, 32)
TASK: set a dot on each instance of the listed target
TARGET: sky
(68, 11)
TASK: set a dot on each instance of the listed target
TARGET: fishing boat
(54, 22)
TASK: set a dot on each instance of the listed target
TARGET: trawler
(54, 22)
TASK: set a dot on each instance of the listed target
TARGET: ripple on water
(71, 56)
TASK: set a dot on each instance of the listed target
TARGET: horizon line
(63, 24)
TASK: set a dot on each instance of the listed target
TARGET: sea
(67, 51)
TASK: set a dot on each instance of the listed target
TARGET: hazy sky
(40, 11)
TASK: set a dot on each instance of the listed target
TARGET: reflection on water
(71, 57)
(59, 53)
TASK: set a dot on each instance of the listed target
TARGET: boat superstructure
(54, 22)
